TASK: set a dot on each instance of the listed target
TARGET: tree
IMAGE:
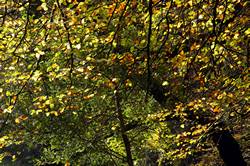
(116, 82)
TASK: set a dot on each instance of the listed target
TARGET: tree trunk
(228, 148)
(123, 130)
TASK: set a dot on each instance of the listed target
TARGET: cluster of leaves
(78, 77)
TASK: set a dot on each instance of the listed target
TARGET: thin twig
(150, 10)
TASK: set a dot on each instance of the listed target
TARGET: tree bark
(123, 130)
(227, 146)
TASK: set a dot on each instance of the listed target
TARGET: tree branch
(150, 11)
(123, 131)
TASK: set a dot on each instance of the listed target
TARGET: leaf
(165, 83)
(67, 163)
(8, 93)
(44, 6)
(216, 109)
(21, 118)
(88, 96)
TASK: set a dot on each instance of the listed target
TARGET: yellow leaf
(216, 109)
(88, 96)
(44, 6)
(67, 163)
(73, 21)
(247, 32)
(197, 132)
(54, 112)
(128, 83)
(21, 118)
(9, 109)
(52, 106)
(165, 83)
(191, 104)
(220, 97)
(17, 120)
(8, 93)
(190, 3)
(54, 65)
(230, 95)
(47, 102)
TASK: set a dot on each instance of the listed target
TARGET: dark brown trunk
(123, 131)
(228, 148)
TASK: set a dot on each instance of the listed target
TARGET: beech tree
(125, 82)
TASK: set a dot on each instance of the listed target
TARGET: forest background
(125, 82)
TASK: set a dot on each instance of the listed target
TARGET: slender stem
(123, 131)
(150, 10)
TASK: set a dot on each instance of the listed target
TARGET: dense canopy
(125, 82)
